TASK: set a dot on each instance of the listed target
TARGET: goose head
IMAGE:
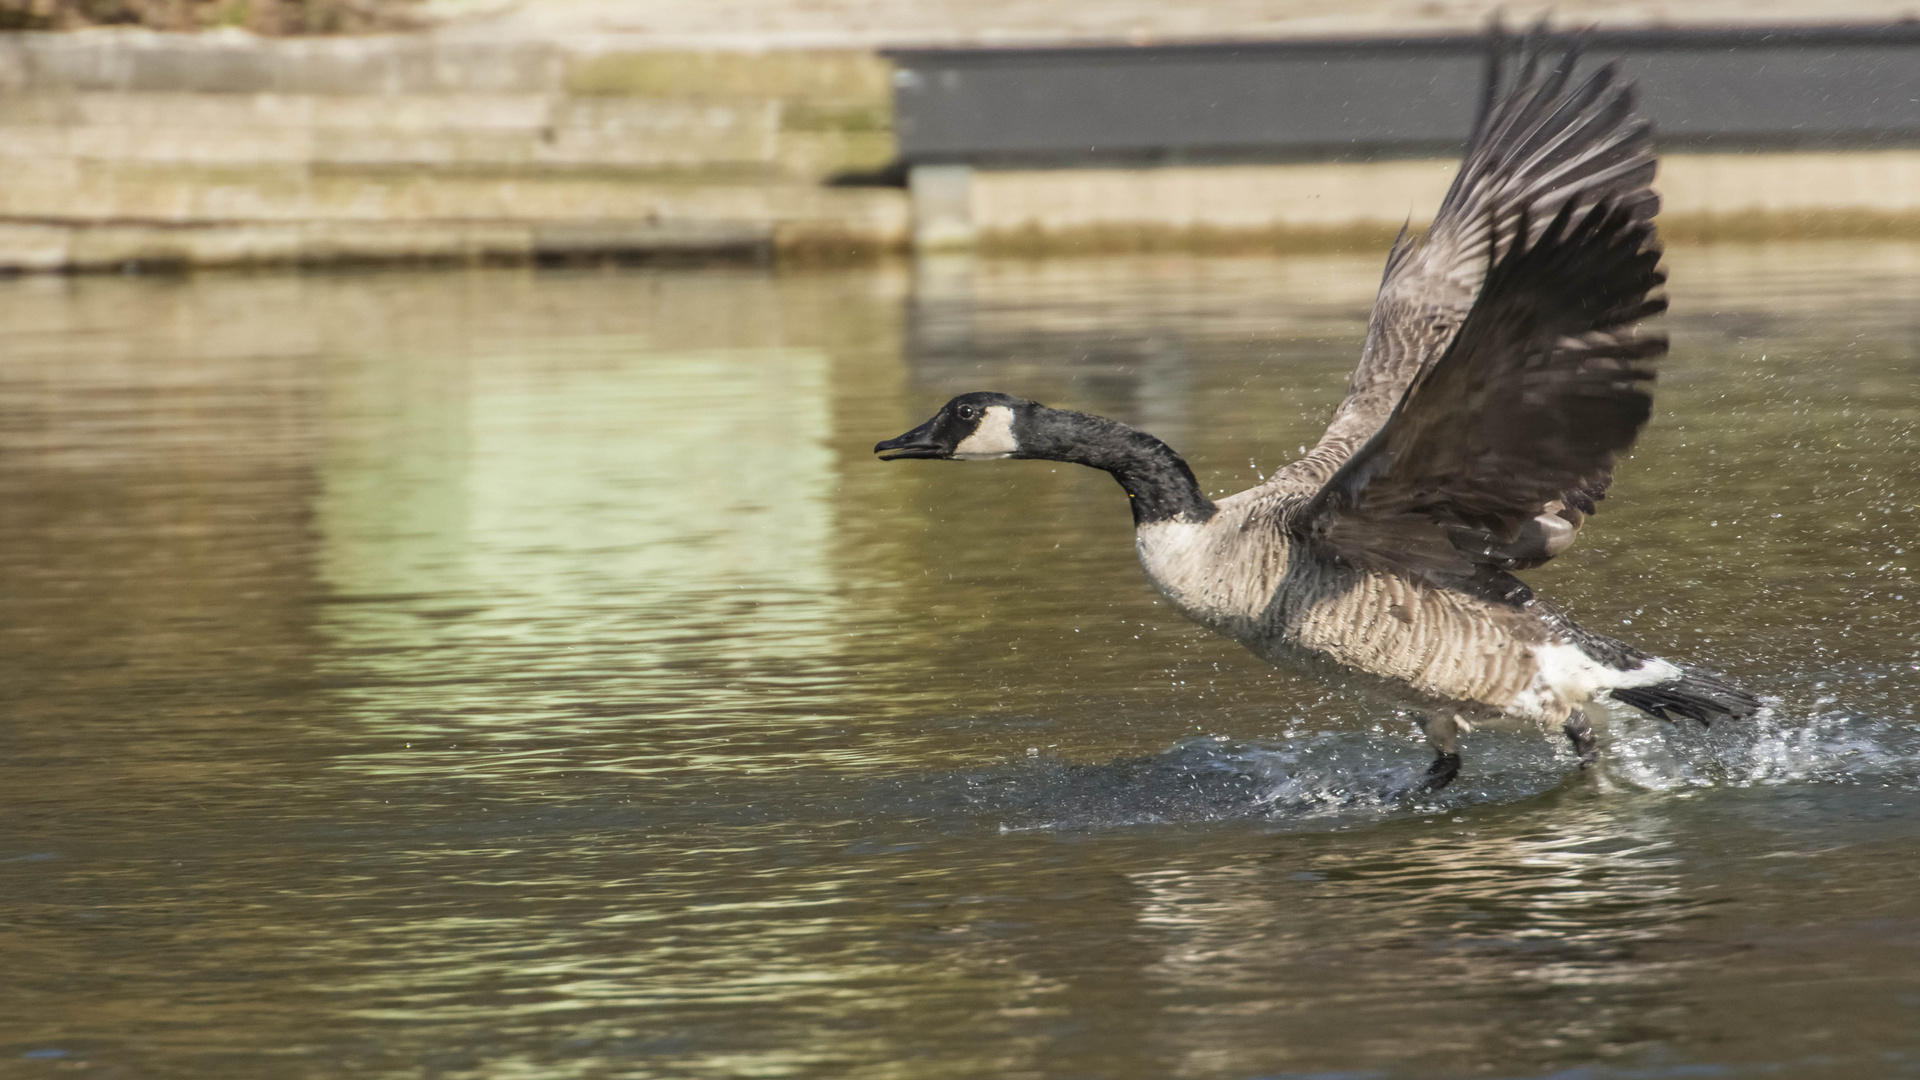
(972, 427)
(982, 426)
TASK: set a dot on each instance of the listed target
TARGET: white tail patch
(1568, 677)
(991, 438)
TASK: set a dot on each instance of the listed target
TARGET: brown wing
(1544, 384)
(1537, 146)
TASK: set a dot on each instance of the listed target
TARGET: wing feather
(1541, 142)
(1544, 385)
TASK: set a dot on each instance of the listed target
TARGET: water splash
(1782, 745)
(1334, 779)
(1321, 780)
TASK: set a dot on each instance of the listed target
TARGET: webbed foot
(1443, 734)
(1580, 734)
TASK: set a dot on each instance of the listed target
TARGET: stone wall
(130, 147)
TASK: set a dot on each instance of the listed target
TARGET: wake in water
(1780, 746)
(1331, 779)
(1319, 780)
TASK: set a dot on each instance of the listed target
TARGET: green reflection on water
(569, 509)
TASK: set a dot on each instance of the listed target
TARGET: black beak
(918, 443)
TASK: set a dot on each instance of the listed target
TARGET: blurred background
(223, 132)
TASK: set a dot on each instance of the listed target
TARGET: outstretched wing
(1544, 384)
(1540, 143)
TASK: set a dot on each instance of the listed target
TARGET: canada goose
(1501, 375)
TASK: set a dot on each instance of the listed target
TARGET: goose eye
(965, 412)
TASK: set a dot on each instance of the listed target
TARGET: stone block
(232, 62)
(651, 131)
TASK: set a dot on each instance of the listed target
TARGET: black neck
(1158, 483)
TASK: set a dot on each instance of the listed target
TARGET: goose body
(1503, 373)
(1485, 658)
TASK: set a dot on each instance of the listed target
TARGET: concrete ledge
(1375, 237)
(92, 192)
(70, 246)
(1333, 205)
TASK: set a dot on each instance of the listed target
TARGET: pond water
(531, 674)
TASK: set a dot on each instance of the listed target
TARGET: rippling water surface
(520, 674)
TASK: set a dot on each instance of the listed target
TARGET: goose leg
(1443, 734)
(1580, 734)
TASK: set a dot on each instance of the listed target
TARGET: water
(514, 674)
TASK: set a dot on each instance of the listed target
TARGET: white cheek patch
(993, 438)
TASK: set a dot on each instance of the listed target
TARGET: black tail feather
(1697, 694)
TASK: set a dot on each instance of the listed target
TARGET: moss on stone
(1833, 224)
(1207, 240)
(836, 78)
(856, 119)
